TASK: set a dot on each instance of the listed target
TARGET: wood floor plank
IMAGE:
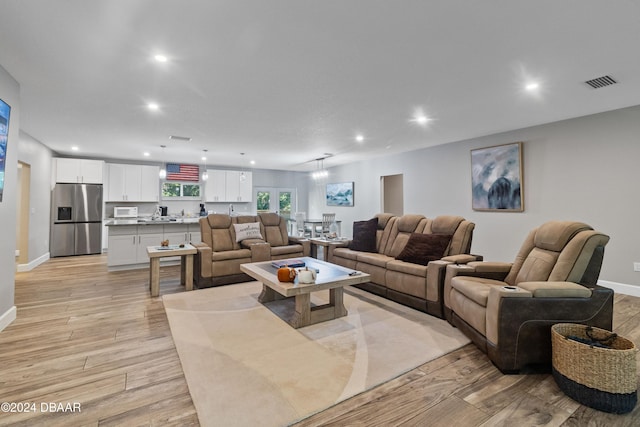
(84, 333)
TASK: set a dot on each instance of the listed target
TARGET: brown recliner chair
(507, 309)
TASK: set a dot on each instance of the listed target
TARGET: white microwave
(125, 212)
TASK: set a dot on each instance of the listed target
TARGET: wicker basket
(603, 378)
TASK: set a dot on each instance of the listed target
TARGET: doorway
(22, 217)
(279, 200)
(392, 194)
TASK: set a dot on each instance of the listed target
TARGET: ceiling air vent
(599, 82)
(179, 138)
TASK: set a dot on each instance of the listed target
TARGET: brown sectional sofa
(411, 284)
(219, 254)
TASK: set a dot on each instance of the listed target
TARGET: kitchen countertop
(149, 221)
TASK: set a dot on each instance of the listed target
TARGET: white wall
(10, 93)
(38, 156)
(583, 169)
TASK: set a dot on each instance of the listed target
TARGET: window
(279, 200)
(179, 190)
(263, 200)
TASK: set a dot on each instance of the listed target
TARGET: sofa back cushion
(385, 224)
(460, 229)
(274, 229)
(557, 250)
(401, 231)
(218, 233)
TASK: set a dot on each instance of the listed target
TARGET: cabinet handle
(134, 240)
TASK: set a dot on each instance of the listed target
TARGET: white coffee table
(186, 265)
(330, 276)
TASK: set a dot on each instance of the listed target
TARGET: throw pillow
(250, 230)
(422, 248)
(364, 235)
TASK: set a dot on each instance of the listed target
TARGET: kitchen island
(129, 238)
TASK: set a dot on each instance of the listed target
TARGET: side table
(325, 243)
(186, 265)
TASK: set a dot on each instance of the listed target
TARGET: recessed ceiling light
(532, 86)
(420, 117)
(253, 162)
(204, 158)
(160, 58)
(359, 138)
(75, 148)
(153, 106)
(146, 154)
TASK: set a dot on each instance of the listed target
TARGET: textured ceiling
(287, 81)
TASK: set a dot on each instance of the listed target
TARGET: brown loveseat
(220, 254)
(508, 309)
(409, 283)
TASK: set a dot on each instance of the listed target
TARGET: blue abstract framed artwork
(496, 178)
(5, 110)
(340, 194)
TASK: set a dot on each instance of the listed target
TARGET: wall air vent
(179, 138)
(599, 82)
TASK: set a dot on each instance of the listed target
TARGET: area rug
(245, 366)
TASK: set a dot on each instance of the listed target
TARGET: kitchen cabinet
(229, 186)
(83, 171)
(239, 186)
(149, 183)
(128, 243)
(215, 188)
(123, 245)
(182, 233)
(132, 183)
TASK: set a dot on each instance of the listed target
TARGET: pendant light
(242, 176)
(321, 172)
(163, 169)
(205, 175)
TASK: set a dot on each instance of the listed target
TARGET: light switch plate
(636, 266)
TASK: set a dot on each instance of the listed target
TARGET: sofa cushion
(407, 268)
(345, 253)
(376, 259)
(422, 248)
(364, 235)
(230, 255)
(249, 230)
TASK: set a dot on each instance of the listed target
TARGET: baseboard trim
(8, 317)
(621, 288)
(33, 264)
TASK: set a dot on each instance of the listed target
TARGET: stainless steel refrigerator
(76, 220)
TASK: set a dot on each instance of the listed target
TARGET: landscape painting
(340, 194)
(496, 178)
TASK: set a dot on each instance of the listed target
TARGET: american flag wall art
(180, 172)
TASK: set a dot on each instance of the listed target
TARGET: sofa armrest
(524, 325)
(260, 251)
(496, 293)
(203, 259)
(462, 258)
(306, 244)
(492, 268)
(488, 270)
(335, 245)
(556, 289)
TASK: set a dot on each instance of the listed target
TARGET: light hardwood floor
(97, 338)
